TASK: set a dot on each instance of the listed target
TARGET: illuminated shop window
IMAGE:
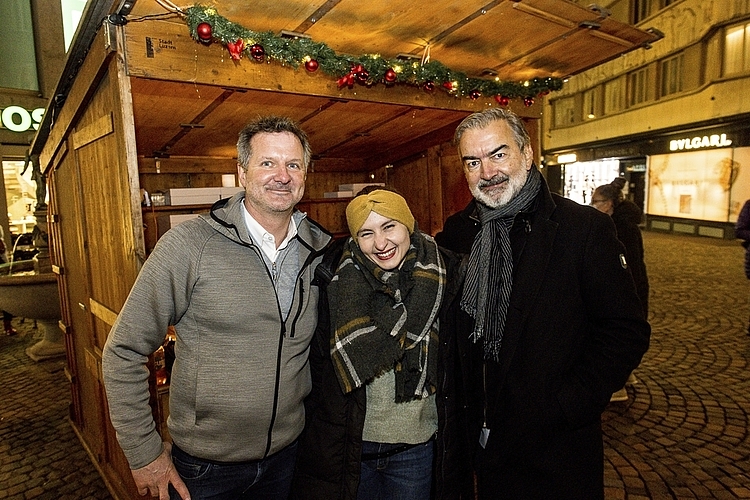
(20, 195)
(581, 178)
(698, 184)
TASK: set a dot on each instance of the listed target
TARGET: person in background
(7, 317)
(7, 324)
(626, 215)
(742, 231)
(383, 417)
(236, 284)
(550, 321)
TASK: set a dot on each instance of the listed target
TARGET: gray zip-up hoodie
(240, 373)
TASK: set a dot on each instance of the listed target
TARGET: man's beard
(514, 184)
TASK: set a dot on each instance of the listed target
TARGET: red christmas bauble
(390, 75)
(204, 32)
(428, 86)
(311, 65)
(528, 101)
(448, 86)
(362, 76)
(257, 52)
(475, 94)
(502, 100)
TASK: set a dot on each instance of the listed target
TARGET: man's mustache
(492, 182)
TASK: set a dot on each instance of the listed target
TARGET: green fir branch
(295, 51)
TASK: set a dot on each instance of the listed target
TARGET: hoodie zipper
(313, 254)
(272, 275)
(299, 306)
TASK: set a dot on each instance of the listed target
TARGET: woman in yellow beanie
(383, 417)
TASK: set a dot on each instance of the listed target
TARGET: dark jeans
(267, 479)
(403, 476)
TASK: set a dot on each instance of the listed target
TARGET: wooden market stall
(143, 109)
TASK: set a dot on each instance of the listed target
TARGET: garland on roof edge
(206, 25)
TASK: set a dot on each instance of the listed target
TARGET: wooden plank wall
(433, 185)
(411, 180)
(455, 192)
(105, 201)
(112, 255)
(97, 249)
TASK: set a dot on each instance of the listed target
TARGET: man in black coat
(551, 321)
(460, 229)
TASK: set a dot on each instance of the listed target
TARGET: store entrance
(635, 173)
(581, 178)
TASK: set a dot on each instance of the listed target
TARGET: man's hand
(154, 478)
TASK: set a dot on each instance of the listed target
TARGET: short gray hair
(271, 125)
(610, 192)
(482, 119)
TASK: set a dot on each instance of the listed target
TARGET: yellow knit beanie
(386, 203)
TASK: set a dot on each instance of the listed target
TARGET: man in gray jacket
(236, 286)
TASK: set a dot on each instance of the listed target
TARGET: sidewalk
(684, 431)
(40, 456)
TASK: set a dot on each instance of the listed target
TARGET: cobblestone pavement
(682, 434)
(40, 455)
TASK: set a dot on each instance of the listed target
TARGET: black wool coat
(328, 461)
(574, 331)
(460, 229)
(626, 217)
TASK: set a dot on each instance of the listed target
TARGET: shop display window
(581, 178)
(20, 197)
(702, 185)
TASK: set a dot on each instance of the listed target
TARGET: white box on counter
(177, 218)
(356, 188)
(200, 196)
(166, 222)
(338, 194)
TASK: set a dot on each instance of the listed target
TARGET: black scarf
(489, 278)
(387, 320)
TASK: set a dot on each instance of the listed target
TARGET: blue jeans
(403, 476)
(267, 479)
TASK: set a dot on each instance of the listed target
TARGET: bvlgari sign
(698, 142)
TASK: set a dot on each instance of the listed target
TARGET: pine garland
(366, 69)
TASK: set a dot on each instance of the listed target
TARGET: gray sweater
(240, 373)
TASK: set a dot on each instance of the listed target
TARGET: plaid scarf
(387, 320)
(489, 274)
